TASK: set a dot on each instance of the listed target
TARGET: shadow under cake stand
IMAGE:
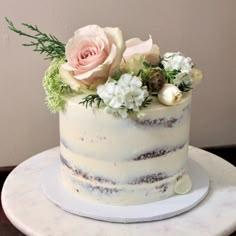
(29, 209)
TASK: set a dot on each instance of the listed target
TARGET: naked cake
(124, 114)
(124, 161)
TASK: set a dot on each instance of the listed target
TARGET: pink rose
(135, 46)
(93, 54)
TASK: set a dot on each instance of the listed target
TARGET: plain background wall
(203, 30)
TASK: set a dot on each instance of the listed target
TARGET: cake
(124, 114)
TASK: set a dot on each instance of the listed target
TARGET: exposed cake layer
(125, 171)
(150, 188)
(124, 161)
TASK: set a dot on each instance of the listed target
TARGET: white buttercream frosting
(124, 161)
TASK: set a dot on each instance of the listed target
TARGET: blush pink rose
(93, 54)
(135, 46)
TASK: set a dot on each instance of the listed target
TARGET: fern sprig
(42, 42)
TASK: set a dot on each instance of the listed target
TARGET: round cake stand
(175, 205)
(31, 212)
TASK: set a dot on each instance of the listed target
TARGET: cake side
(113, 137)
(124, 161)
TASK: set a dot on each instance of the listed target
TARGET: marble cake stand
(32, 213)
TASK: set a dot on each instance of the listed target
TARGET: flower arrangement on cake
(122, 77)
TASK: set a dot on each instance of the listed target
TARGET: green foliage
(170, 75)
(90, 100)
(42, 42)
(117, 76)
(146, 102)
(185, 87)
(146, 64)
(56, 91)
(145, 72)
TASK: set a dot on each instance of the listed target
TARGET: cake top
(119, 76)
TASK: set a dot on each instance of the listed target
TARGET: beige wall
(204, 30)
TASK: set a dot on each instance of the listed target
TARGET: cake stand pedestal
(31, 212)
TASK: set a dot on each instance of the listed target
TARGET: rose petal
(133, 42)
(115, 38)
(68, 67)
(101, 70)
(91, 62)
(154, 56)
(67, 78)
(142, 48)
(82, 37)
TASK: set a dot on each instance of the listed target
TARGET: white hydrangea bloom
(177, 61)
(111, 94)
(126, 93)
(120, 111)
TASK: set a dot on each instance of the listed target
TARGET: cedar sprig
(90, 100)
(42, 42)
(146, 102)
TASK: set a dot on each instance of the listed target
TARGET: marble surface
(31, 212)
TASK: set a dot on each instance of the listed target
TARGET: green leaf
(170, 75)
(146, 64)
